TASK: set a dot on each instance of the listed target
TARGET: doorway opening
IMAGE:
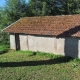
(17, 41)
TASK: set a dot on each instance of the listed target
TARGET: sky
(2, 2)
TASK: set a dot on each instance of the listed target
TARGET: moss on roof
(67, 25)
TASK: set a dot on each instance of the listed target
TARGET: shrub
(3, 48)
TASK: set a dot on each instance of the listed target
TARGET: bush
(4, 38)
(3, 48)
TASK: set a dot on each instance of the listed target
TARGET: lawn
(27, 65)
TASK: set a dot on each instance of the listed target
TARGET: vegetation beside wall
(4, 42)
(3, 48)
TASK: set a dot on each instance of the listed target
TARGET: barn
(50, 34)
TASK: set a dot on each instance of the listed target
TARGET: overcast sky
(3, 1)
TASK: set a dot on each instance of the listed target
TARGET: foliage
(12, 11)
(35, 7)
(3, 48)
(4, 38)
(54, 7)
(15, 9)
(69, 6)
(42, 7)
(19, 65)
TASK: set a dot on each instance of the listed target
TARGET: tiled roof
(66, 25)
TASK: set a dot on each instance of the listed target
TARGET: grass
(27, 65)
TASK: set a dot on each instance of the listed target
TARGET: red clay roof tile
(68, 25)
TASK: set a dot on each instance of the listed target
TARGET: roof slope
(68, 25)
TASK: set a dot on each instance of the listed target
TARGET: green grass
(27, 65)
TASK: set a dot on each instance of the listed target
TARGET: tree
(12, 11)
(4, 38)
(15, 9)
(68, 6)
(44, 9)
(54, 7)
(35, 7)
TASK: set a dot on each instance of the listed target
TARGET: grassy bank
(26, 65)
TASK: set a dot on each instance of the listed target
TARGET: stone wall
(63, 46)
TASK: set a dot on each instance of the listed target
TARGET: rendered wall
(79, 48)
(43, 44)
(71, 47)
(63, 46)
(60, 46)
(23, 42)
(12, 41)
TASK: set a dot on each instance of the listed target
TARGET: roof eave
(3, 30)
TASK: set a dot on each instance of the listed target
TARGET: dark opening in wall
(17, 41)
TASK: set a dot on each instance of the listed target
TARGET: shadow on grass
(36, 63)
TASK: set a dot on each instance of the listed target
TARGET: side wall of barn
(12, 41)
(64, 46)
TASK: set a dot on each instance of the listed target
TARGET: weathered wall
(23, 42)
(60, 46)
(12, 41)
(71, 47)
(64, 46)
(79, 48)
(44, 44)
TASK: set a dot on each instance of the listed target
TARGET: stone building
(51, 34)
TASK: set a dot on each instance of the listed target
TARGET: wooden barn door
(17, 41)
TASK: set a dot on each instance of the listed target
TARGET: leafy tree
(15, 9)
(54, 7)
(35, 7)
(68, 6)
(44, 9)
(4, 38)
